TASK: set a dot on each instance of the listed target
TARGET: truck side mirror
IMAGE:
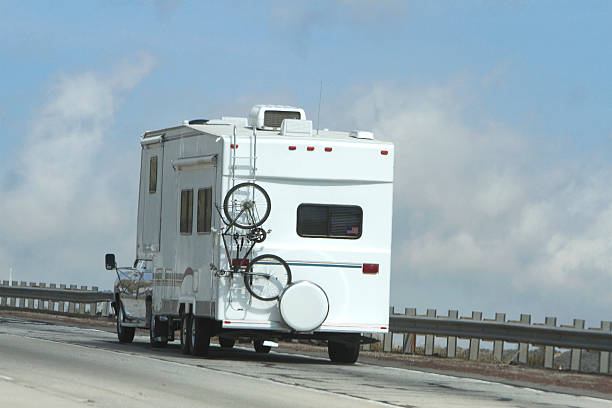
(109, 260)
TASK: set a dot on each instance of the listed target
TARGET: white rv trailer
(322, 220)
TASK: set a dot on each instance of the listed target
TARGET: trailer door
(196, 203)
(150, 204)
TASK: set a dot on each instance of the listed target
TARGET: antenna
(319, 111)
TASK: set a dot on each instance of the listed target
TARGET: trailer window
(153, 175)
(204, 209)
(186, 211)
(329, 221)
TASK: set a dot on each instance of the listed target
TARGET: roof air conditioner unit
(361, 134)
(270, 117)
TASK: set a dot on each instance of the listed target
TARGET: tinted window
(329, 221)
(204, 209)
(186, 211)
(153, 174)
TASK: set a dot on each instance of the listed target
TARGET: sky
(501, 113)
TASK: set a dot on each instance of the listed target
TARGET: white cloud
(478, 204)
(61, 209)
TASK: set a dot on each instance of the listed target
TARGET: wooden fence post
(576, 352)
(549, 351)
(4, 299)
(62, 305)
(430, 338)
(475, 343)
(523, 354)
(409, 339)
(388, 337)
(604, 356)
(498, 345)
(451, 341)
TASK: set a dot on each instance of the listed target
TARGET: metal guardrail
(452, 327)
(65, 299)
(510, 332)
(79, 301)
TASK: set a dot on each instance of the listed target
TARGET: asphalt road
(52, 365)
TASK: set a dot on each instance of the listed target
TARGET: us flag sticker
(353, 231)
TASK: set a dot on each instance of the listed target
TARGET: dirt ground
(554, 380)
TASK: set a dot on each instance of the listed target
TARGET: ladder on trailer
(243, 167)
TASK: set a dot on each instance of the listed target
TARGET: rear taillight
(243, 262)
(370, 269)
(384, 152)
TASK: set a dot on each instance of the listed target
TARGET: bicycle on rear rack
(246, 207)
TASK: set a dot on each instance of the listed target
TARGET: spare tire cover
(303, 306)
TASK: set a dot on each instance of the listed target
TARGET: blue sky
(500, 112)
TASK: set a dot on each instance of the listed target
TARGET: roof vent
(239, 122)
(195, 122)
(361, 134)
(270, 117)
(294, 127)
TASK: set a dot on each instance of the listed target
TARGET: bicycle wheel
(246, 205)
(266, 277)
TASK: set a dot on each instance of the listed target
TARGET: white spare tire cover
(303, 306)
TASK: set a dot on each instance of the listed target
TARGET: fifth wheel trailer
(260, 228)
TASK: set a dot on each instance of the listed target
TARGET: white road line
(5, 378)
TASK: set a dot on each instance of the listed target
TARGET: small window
(329, 221)
(204, 209)
(153, 175)
(186, 211)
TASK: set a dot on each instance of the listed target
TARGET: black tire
(345, 353)
(200, 336)
(260, 348)
(244, 205)
(186, 334)
(227, 342)
(124, 334)
(266, 276)
(158, 330)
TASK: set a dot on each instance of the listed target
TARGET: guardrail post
(451, 341)
(409, 345)
(82, 305)
(388, 337)
(576, 352)
(41, 302)
(31, 300)
(50, 303)
(429, 338)
(498, 345)
(93, 307)
(523, 354)
(475, 343)
(4, 299)
(72, 305)
(549, 351)
(22, 301)
(604, 356)
(62, 305)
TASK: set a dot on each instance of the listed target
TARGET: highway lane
(63, 366)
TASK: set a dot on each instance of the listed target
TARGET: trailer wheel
(186, 333)
(200, 336)
(260, 348)
(246, 205)
(227, 342)
(124, 334)
(266, 277)
(346, 353)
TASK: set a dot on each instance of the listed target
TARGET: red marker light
(310, 148)
(233, 146)
(328, 149)
(370, 269)
(384, 152)
(292, 147)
